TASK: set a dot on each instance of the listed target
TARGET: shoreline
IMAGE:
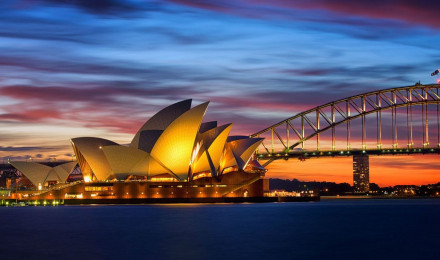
(12, 202)
(367, 197)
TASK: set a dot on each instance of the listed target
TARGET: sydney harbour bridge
(395, 121)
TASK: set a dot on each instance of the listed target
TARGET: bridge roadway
(302, 155)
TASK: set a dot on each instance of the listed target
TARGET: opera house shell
(39, 174)
(174, 154)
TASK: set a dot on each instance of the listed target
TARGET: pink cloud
(410, 11)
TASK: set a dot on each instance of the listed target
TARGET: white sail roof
(39, 173)
(174, 141)
(91, 158)
(35, 172)
(174, 148)
(214, 141)
(161, 120)
(125, 161)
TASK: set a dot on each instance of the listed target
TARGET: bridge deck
(339, 153)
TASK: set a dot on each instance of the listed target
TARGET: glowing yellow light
(87, 178)
(195, 152)
(159, 179)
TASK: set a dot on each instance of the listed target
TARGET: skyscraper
(361, 173)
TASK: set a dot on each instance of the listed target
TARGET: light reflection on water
(347, 229)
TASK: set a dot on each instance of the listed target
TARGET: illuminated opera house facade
(173, 155)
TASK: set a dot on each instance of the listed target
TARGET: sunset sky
(71, 68)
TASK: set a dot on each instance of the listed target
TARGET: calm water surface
(343, 229)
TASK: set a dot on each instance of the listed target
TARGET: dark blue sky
(101, 68)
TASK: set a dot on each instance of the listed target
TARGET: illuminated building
(361, 173)
(173, 155)
(42, 175)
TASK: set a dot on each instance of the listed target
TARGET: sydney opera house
(174, 155)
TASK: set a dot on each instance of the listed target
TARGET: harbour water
(330, 229)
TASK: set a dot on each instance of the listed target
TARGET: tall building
(361, 173)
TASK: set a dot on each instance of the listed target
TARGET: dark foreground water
(344, 229)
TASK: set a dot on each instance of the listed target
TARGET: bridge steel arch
(328, 116)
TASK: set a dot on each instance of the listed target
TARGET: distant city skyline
(102, 69)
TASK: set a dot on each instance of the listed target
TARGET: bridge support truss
(336, 119)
